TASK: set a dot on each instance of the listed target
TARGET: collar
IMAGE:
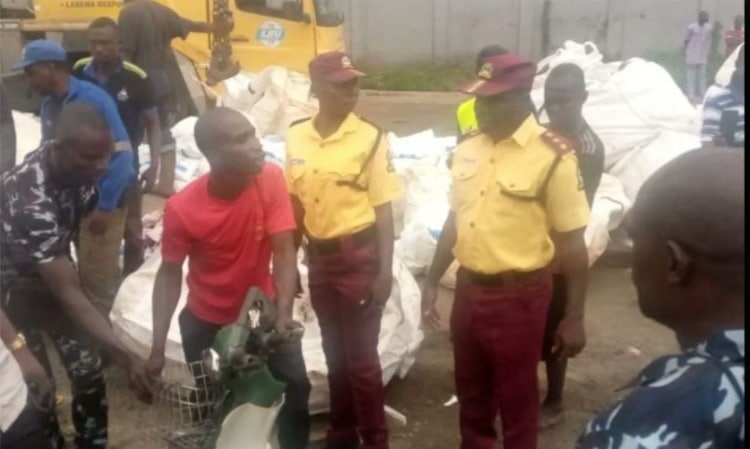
(90, 69)
(350, 125)
(728, 346)
(526, 131)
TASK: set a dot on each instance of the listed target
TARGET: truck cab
(266, 32)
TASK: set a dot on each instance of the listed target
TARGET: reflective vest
(467, 118)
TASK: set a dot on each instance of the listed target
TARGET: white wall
(393, 32)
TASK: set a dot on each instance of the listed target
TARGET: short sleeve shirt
(227, 243)
(131, 90)
(698, 43)
(590, 153)
(148, 29)
(340, 180)
(39, 218)
(504, 214)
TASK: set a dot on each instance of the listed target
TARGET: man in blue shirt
(688, 234)
(724, 110)
(46, 67)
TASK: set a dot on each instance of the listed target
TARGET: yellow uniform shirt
(467, 117)
(316, 166)
(502, 218)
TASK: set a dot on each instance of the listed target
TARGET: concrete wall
(395, 32)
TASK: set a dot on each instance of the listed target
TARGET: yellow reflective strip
(122, 146)
(82, 62)
(135, 69)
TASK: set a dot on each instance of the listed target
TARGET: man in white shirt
(697, 50)
(20, 418)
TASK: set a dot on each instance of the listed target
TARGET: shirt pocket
(464, 189)
(516, 188)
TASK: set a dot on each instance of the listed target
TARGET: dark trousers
(338, 284)
(497, 336)
(27, 432)
(83, 365)
(286, 364)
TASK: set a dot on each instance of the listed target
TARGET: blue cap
(41, 50)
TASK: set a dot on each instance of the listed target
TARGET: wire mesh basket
(185, 411)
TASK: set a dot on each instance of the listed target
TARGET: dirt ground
(620, 340)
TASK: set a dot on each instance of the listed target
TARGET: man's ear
(679, 263)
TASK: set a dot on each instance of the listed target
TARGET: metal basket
(184, 411)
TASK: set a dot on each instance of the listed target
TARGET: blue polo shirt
(120, 173)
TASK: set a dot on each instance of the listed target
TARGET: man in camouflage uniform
(42, 203)
(688, 233)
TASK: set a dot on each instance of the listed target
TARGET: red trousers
(338, 283)
(497, 335)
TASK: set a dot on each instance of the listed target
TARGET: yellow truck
(266, 32)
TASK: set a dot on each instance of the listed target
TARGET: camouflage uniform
(39, 220)
(694, 400)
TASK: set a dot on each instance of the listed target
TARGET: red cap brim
(484, 88)
(343, 75)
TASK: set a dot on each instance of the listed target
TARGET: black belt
(506, 278)
(333, 246)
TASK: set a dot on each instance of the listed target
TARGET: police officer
(342, 185)
(516, 200)
(465, 115)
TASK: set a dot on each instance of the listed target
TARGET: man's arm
(62, 279)
(285, 276)
(119, 174)
(443, 252)
(153, 128)
(166, 296)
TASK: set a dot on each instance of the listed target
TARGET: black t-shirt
(147, 29)
(131, 90)
(590, 153)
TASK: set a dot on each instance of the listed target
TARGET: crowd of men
(520, 202)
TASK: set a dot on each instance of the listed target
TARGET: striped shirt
(590, 152)
(721, 101)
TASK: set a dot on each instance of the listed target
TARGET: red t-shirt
(733, 38)
(227, 242)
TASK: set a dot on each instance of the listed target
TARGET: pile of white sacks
(635, 106)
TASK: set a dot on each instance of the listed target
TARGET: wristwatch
(18, 342)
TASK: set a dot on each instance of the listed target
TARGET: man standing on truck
(231, 224)
(46, 67)
(151, 27)
(43, 202)
(130, 88)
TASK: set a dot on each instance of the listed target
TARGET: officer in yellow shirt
(342, 184)
(517, 201)
(465, 114)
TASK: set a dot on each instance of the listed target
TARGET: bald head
(569, 76)
(697, 200)
(215, 128)
(79, 119)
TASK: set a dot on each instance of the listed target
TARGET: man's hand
(33, 373)
(223, 25)
(140, 380)
(287, 328)
(381, 289)
(100, 220)
(430, 315)
(148, 178)
(155, 364)
(570, 338)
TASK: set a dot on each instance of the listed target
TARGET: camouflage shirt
(694, 400)
(38, 218)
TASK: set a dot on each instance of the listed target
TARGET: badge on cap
(485, 72)
(346, 62)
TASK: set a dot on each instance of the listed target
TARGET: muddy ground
(620, 340)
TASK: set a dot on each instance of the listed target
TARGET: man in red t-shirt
(733, 38)
(229, 224)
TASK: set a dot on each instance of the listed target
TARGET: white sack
(607, 213)
(28, 134)
(400, 335)
(724, 75)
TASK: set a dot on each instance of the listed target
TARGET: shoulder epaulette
(135, 69)
(559, 144)
(82, 63)
(302, 120)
